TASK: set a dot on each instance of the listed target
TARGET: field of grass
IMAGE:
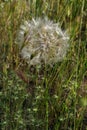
(58, 100)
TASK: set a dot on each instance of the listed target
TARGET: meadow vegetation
(46, 98)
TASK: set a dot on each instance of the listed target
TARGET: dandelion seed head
(43, 42)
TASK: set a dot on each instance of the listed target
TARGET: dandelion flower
(42, 41)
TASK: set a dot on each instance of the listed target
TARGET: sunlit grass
(55, 98)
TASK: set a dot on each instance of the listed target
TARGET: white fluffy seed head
(42, 41)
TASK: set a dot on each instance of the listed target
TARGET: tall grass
(58, 99)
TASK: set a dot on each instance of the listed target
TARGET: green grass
(58, 100)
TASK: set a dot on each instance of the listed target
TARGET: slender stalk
(47, 106)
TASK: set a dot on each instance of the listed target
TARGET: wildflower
(42, 41)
